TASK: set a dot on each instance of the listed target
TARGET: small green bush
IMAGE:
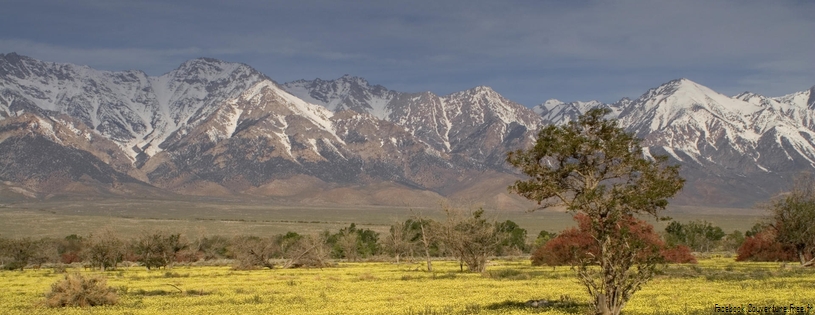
(77, 290)
(509, 274)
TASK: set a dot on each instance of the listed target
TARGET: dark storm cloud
(527, 50)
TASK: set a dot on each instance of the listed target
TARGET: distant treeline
(466, 236)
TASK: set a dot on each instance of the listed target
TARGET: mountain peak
(483, 89)
(211, 68)
(353, 79)
(202, 63)
(552, 102)
(14, 59)
(210, 60)
(546, 106)
(684, 97)
(345, 78)
(682, 83)
(684, 87)
(811, 100)
(746, 94)
(478, 91)
(11, 55)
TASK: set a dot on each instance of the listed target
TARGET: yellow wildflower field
(388, 288)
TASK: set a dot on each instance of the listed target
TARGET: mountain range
(215, 128)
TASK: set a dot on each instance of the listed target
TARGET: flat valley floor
(200, 217)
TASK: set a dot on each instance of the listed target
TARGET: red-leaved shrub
(679, 254)
(764, 247)
(576, 244)
(567, 248)
(70, 257)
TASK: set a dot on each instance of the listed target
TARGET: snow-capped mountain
(267, 134)
(557, 112)
(692, 122)
(217, 128)
(134, 110)
(748, 145)
(476, 125)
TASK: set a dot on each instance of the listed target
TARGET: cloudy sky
(529, 51)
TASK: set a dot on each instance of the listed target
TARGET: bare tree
(104, 249)
(397, 241)
(158, 249)
(309, 251)
(425, 233)
(252, 252)
(471, 237)
(211, 247)
(47, 252)
(348, 243)
(19, 253)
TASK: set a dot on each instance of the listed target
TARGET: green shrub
(509, 274)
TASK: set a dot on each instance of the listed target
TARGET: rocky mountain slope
(223, 129)
(475, 126)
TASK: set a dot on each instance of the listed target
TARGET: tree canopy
(794, 219)
(593, 167)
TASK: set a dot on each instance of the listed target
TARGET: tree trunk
(616, 304)
(602, 307)
(482, 263)
(801, 256)
(426, 249)
(608, 305)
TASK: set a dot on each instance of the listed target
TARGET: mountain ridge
(215, 127)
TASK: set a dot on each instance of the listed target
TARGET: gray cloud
(527, 50)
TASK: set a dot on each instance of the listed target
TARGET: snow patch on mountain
(317, 114)
(284, 139)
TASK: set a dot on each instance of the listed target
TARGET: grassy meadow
(367, 287)
(407, 288)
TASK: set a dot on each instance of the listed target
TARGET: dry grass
(82, 291)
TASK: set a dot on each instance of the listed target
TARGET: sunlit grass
(387, 288)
